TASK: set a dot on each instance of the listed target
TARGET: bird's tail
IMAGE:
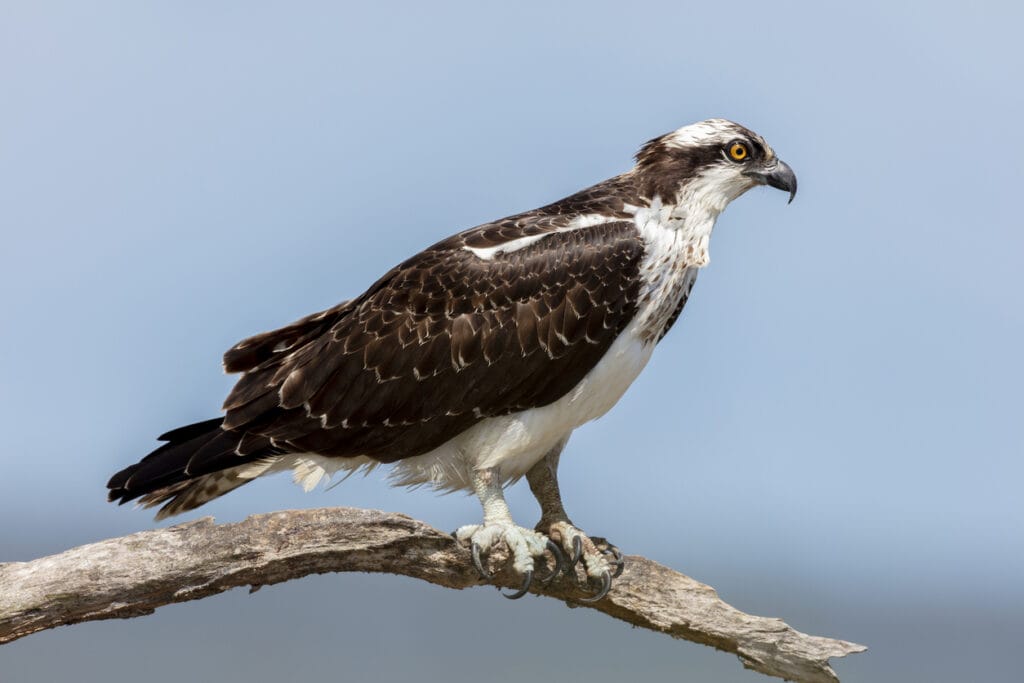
(198, 462)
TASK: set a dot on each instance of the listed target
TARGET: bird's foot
(525, 545)
(601, 561)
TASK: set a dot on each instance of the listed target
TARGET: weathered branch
(133, 575)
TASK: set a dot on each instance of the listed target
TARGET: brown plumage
(504, 319)
(443, 340)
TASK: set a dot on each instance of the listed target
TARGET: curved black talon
(559, 563)
(527, 580)
(606, 585)
(479, 563)
(620, 562)
(577, 553)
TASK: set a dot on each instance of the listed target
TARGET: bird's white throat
(676, 241)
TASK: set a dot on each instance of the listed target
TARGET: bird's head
(709, 164)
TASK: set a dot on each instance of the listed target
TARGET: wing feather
(443, 340)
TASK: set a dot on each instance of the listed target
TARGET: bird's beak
(779, 176)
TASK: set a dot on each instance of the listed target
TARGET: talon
(620, 562)
(559, 563)
(606, 585)
(479, 563)
(527, 580)
(577, 553)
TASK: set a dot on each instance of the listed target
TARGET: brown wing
(440, 342)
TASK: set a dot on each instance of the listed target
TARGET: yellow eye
(738, 151)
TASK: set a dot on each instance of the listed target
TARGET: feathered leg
(555, 523)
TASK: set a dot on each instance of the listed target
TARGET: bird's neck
(675, 249)
(685, 227)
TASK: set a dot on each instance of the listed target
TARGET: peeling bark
(133, 575)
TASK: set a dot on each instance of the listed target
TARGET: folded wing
(463, 331)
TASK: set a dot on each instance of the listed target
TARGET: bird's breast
(673, 256)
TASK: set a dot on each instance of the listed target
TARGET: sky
(831, 434)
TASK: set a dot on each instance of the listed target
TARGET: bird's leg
(601, 560)
(526, 545)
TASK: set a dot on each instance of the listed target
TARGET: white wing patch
(585, 221)
(488, 253)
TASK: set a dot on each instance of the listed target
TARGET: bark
(133, 575)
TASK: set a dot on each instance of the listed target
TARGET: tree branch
(133, 575)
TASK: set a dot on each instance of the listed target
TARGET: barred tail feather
(188, 495)
(198, 463)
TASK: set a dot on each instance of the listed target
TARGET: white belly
(514, 443)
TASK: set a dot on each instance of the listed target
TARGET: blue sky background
(832, 434)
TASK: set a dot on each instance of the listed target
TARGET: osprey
(469, 365)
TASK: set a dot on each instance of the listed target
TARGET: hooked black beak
(780, 176)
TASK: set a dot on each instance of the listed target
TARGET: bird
(469, 365)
